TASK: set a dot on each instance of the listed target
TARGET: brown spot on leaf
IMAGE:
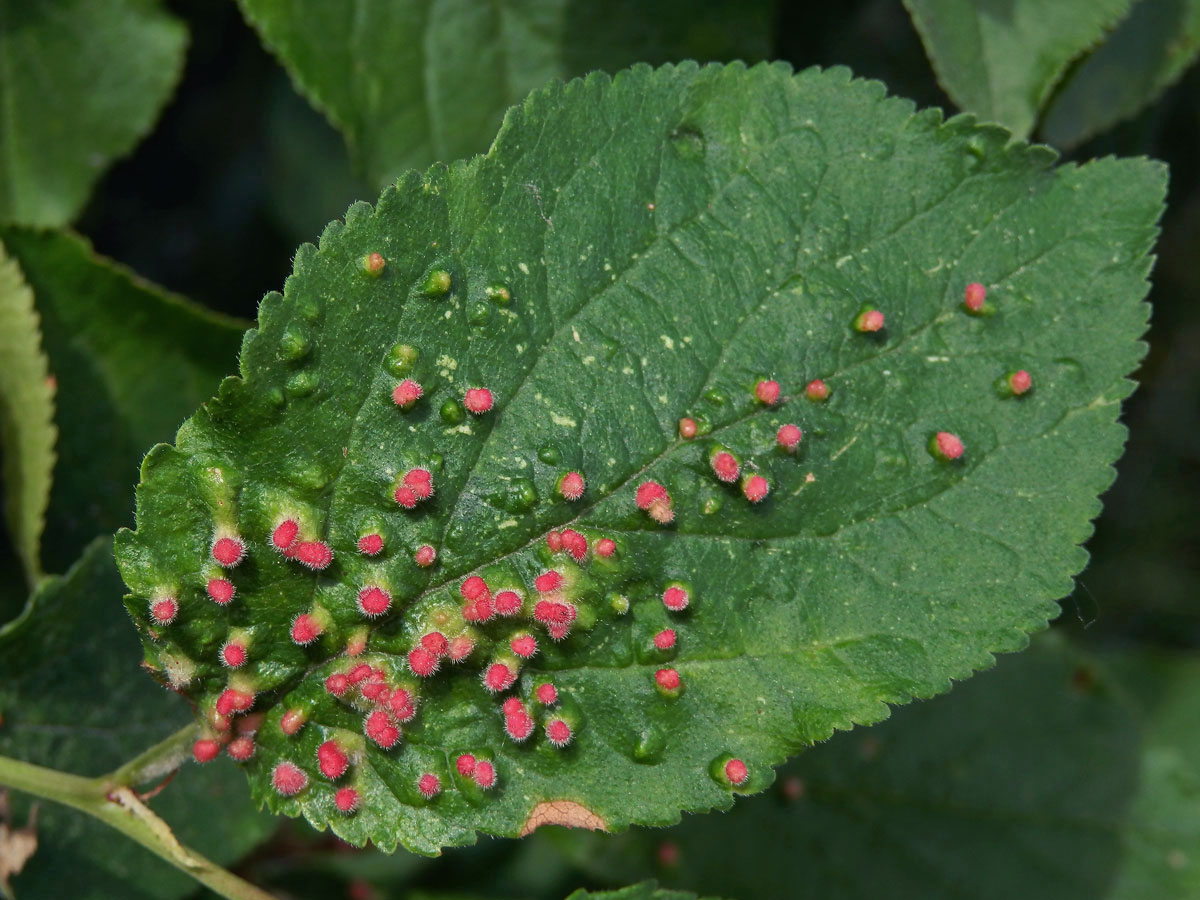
(562, 812)
(16, 844)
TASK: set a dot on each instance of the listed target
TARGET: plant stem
(160, 760)
(115, 804)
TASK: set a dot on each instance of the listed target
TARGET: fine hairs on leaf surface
(27, 432)
(76, 97)
(453, 505)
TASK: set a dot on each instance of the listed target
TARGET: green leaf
(81, 82)
(1147, 53)
(131, 362)
(1041, 780)
(415, 81)
(72, 698)
(1002, 60)
(27, 432)
(685, 233)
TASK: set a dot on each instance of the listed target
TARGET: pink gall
(518, 724)
(478, 400)
(220, 590)
(346, 800)
(370, 544)
(512, 706)
(241, 748)
(571, 486)
(499, 677)
(546, 693)
(205, 750)
(946, 446)
(422, 662)
(736, 772)
(755, 488)
(233, 701)
(376, 691)
(429, 785)
(548, 582)
(228, 551)
(606, 547)
(285, 534)
(508, 603)
(478, 611)
(402, 704)
(288, 779)
(406, 497)
(667, 680)
(465, 764)
(407, 393)
(420, 482)
(380, 727)
(361, 672)
(974, 297)
(305, 629)
(484, 774)
(767, 392)
(373, 264)
(164, 610)
(435, 642)
(869, 321)
(1019, 382)
(558, 733)
(233, 654)
(687, 428)
(315, 555)
(817, 391)
(461, 646)
(554, 541)
(788, 437)
(665, 639)
(524, 645)
(337, 684)
(373, 601)
(425, 556)
(293, 720)
(575, 544)
(332, 760)
(656, 501)
(474, 588)
(725, 466)
(676, 598)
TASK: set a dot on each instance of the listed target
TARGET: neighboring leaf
(131, 361)
(81, 81)
(1148, 52)
(1039, 780)
(684, 233)
(414, 81)
(72, 698)
(27, 431)
(1001, 59)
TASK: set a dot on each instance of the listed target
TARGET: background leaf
(416, 81)
(81, 81)
(130, 360)
(1146, 53)
(72, 698)
(873, 574)
(1059, 775)
(1001, 59)
(27, 432)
